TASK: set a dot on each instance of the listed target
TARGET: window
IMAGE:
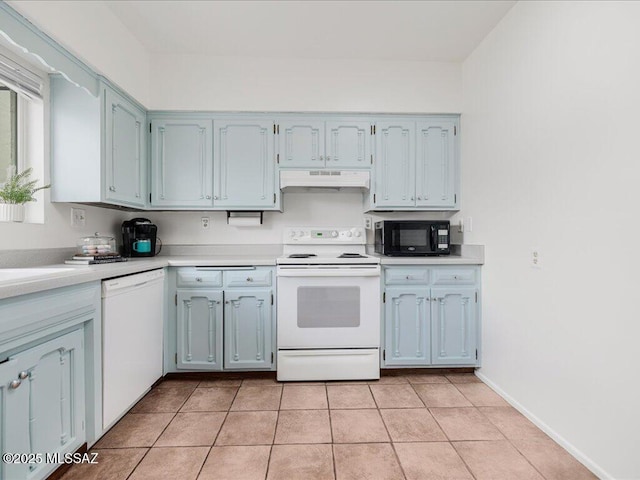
(8, 132)
(23, 93)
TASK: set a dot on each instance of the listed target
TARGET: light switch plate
(78, 217)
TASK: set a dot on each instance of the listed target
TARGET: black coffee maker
(139, 238)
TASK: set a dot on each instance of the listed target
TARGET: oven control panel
(325, 235)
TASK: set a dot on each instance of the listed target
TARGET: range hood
(290, 179)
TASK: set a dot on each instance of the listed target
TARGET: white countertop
(73, 275)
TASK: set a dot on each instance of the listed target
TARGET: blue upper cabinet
(301, 144)
(125, 151)
(181, 162)
(348, 144)
(244, 159)
(98, 146)
(395, 166)
(314, 143)
(416, 165)
(436, 164)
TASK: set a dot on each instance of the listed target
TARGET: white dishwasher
(132, 336)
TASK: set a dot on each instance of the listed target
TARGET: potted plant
(14, 193)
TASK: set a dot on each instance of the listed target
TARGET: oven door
(328, 306)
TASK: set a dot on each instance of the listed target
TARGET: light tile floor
(413, 427)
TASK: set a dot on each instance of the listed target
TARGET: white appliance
(328, 306)
(324, 179)
(132, 326)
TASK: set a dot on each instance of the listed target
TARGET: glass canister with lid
(97, 245)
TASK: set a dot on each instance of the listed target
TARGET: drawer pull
(249, 279)
(23, 375)
(15, 384)
(198, 279)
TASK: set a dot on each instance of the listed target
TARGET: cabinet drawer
(458, 276)
(248, 278)
(196, 277)
(406, 276)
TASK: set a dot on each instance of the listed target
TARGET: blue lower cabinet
(225, 319)
(407, 326)
(248, 329)
(453, 325)
(42, 393)
(431, 316)
(199, 329)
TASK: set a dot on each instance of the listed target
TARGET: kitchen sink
(8, 274)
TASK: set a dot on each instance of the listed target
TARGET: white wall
(198, 82)
(551, 160)
(94, 34)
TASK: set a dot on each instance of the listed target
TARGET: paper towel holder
(244, 218)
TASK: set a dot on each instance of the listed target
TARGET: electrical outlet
(536, 258)
(368, 222)
(78, 217)
(205, 222)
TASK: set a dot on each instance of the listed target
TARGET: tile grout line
(393, 448)
(463, 460)
(450, 442)
(333, 452)
(163, 430)
(275, 430)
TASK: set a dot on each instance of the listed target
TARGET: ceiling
(374, 30)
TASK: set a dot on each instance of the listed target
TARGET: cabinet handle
(15, 384)
(328, 158)
(215, 197)
(208, 197)
(412, 198)
(419, 198)
(249, 279)
(23, 375)
(112, 188)
(321, 158)
(198, 279)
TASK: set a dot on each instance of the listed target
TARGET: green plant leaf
(18, 189)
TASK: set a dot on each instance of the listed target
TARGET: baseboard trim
(564, 443)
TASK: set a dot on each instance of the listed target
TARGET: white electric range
(328, 306)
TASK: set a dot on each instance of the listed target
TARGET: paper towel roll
(244, 219)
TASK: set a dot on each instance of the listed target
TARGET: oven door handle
(329, 272)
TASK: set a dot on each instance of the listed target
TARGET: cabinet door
(181, 163)
(44, 411)
(453, 325)
(301, 144)
(435, 164)
(199, 329)
(394, 168)
(247, 329)
(407, 326)
(125, 151)
(348, 145)
(244, 161)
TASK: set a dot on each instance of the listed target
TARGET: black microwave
(412, 237)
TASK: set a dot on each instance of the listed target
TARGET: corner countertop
(67, 275)
(76, 274)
